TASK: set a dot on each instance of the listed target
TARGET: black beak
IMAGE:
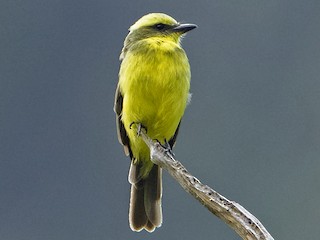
(184, 27)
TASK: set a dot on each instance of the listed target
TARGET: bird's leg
(167, 147)
(140, 127)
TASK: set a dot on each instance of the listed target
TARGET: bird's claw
(140, 127)
(167, 147)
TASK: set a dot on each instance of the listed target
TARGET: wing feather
(121, 131)
(172, 140)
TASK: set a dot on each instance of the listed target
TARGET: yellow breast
(154, 79)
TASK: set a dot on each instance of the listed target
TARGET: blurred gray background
(252, 131)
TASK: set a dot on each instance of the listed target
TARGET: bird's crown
(153, 19)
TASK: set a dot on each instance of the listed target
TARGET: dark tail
(145, 202)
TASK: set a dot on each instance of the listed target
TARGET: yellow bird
(152, 93)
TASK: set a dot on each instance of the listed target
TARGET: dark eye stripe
(160, 26)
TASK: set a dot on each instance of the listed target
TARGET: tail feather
(152, 196)
(137, 215)
(145, 201)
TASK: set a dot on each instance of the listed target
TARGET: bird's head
(159, 25)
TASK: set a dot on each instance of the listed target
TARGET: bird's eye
(160, 26)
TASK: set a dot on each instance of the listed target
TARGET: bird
(152, 94)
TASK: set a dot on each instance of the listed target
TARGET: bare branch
(237, 217)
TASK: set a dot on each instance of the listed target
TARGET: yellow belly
(155, 87)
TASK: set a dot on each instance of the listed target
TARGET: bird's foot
(139, 128)
(167, 147)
